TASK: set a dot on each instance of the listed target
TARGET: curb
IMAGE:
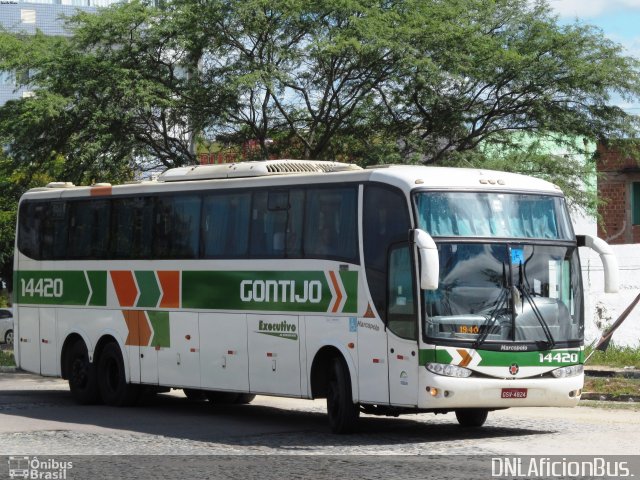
(611, 372)
(607, 397)
(8, 369)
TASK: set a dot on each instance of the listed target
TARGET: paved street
(39, 417)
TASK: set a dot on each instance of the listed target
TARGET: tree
(426, 81)
(481, 71)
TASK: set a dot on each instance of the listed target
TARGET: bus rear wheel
(222, 398)
(114, 389)
(194, 395)
(244, 398)
(83, 381)
(472, 417)
(342, 412)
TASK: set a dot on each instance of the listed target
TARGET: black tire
(83, 381)
(244, 398)
(194, 395)
(342, 412)
(472, 417)
(114, 389)
(8, 337)
(223, 398)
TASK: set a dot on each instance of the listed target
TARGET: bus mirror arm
(428, 257)
(609, 261)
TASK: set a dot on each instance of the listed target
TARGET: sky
(618, 19)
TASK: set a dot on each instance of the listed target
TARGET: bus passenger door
(402, 328)
(274, 359)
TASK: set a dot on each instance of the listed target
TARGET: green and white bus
(389, 290)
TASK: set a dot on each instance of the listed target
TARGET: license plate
(514, 393)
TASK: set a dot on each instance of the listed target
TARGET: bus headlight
(448, 370)
(570, 371)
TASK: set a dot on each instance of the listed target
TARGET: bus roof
(308, 172)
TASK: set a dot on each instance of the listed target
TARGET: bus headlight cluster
(448, 370)
(570, 371)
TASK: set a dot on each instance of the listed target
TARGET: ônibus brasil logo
(33, 468)
(281, 329)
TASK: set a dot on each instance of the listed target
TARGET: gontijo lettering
(280, 291)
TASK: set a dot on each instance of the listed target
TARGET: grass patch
(610, 405)
(615, 356)
(7, 359)
(612, 386)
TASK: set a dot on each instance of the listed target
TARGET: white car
(6, 326)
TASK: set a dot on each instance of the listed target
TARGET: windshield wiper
(534, 308)
(488, 324)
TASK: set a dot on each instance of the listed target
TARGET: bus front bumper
(440, 392)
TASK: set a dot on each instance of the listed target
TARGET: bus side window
(331, 224)
(276, 224)
(177, 227)
(225, 225)
(268, 224)
(55, 231)
(88, 229)
(31, 217)
(132, 227)
(385, 222)
(401, 314)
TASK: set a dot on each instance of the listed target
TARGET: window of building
(635, 202)
(27, 16)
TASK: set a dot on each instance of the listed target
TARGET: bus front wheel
(114, 389)
(472, 417)
(342, 412)
(81, 372)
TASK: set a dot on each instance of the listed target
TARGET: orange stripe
(145, 329)
(100, 191)
(336, 286)
(170, 283)
(466, 358)
(125, 287)
(131, 319)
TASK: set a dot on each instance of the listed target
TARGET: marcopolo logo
(33, 468)
(281, 329)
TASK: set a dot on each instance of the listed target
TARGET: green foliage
(615, 356)
(7, 359)
(414, 81)
(612, 386)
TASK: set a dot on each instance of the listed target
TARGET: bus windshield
(501, 293)
(483, 214)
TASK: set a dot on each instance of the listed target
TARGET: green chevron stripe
(149, 289)
(98, 282)
(161, 329)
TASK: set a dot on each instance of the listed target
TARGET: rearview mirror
(428, 258)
